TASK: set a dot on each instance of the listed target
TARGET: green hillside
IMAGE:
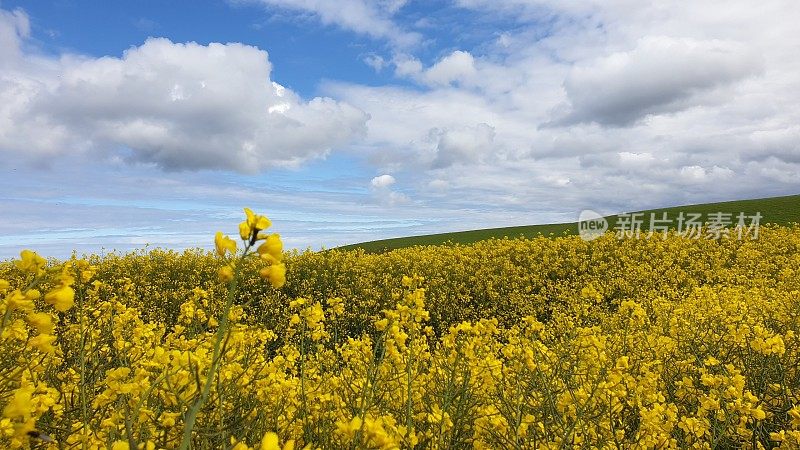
(779, 210)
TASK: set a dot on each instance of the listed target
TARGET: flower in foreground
(224, 244)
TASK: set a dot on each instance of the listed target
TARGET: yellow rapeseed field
(508, 344)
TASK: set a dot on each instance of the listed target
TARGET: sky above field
(124, 124)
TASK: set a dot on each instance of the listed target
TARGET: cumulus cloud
(456, 68)
(382, 181)
(179, 106)
(652, 102)
(368, 17)
(406, 65)
(413, 125)
(462, 145)
(661, 74)
(383, 193)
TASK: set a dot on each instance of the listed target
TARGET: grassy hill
(779, 210)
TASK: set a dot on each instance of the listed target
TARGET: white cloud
(462, 145)
(368, 17)
(411, 123)
(458, 66)
(782, 144)
(658, 104)
(14, 28)
(180, 106)
(661, 74)
(382, 181)
(383, 194)
(406, 65)
(698, 174)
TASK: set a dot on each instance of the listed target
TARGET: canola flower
(541, 343)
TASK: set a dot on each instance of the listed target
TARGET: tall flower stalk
(271, 251)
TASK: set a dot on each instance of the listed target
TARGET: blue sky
(100, 28)
(125, 124)
(302, 50)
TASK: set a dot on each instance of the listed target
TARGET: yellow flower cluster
(271, 250)
(541, 343)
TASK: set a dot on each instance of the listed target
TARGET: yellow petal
(276, 274)
(120, 445)
(272, 246)
(43, 322)
(62, 298)
(224, 243)
(251, 217)
(262, 223)
(244, 231)
(226, 273)
(218, 243)
(270, 442)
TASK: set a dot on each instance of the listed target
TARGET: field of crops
(541, 343)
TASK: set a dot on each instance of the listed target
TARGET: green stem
(82, 359)
(194, 410)
(304, 406)
(409, 369)
(369, 386)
